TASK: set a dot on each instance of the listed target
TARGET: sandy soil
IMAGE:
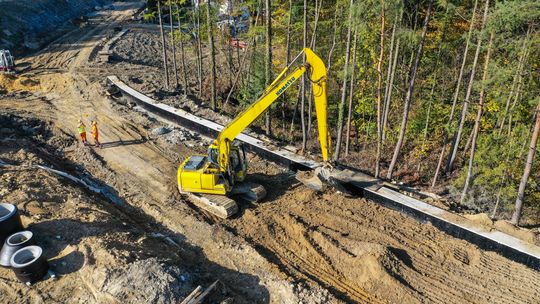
(294, 247)
(365, 253)
(92, 246)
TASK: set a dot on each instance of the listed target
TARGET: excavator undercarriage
(224, 206)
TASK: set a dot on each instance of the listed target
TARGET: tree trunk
(463, 116)
(464, 59)
(268, 62)
(303, 89)
(433, 85)
(389, 96)
(248, 50)
(183, 61)
(230, 57)
(389, 76)
(288, 43)
(351, 93)
(334, 35)
(528, 165)
(173, 46)
(476, 128)
(287, 59)
(341, 108)
(199, 49)
(517, 79)
(237, 77)
(254, 46)
(295, 112)
(415, 22)
(379, 93)
(389, 68)
(227, 36)
(509, 152)
(455, 98)
(409, 93)
(210, 22)
(164, 48)
(516, 95)
(318, 5)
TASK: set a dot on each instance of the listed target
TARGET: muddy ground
(294, 247)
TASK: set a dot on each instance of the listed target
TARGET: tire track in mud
(321, 268)
(304, 259)
(293, 265)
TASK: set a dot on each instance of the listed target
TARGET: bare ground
(294, 247)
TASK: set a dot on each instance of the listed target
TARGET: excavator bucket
(321, 177)
(315, 179)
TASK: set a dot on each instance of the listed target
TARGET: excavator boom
(317, 75)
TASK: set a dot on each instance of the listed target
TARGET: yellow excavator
(211, 180)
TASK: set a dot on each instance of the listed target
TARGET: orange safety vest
(95, 131)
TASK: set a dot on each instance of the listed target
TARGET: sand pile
(524, 234)
(506, 227)
(480, 218)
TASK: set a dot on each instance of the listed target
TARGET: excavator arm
(317, 75)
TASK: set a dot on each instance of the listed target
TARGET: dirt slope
(362, 251)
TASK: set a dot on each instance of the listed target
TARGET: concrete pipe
(13, 243)
(10, 221)
(29, 264)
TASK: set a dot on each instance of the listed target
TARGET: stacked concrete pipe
(18, 250)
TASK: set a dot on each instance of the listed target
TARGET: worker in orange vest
(95, 134)
(82, 132)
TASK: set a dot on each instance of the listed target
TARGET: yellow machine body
(200, 179)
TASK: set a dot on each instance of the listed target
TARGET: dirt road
(294, 247)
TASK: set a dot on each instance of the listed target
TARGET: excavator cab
(201, 178)
(237, 165)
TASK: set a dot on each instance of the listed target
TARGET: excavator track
(250, 192)
(218, 205)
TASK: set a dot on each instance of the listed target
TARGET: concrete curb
(105, 53)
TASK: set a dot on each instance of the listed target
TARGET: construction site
(114, 227)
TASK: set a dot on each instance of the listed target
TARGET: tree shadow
(67, 264)
(403, 256)
(61, 235)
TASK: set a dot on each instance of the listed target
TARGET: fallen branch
(203, 295)
(192, 295)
